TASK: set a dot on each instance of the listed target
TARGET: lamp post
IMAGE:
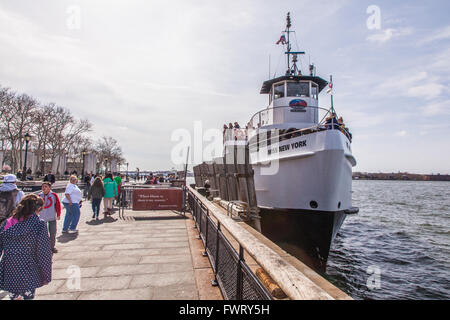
(27, 140)
(119, 168)
(127, 171)
(82, 170)
(106, 165)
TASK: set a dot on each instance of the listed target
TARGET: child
(51, 212)
(26, 262)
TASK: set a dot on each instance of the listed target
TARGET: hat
(10, 178)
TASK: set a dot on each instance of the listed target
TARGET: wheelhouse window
(298, 89)
(278, 91)
(315, 91)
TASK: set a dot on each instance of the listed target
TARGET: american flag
(282, 40)
(330, 88)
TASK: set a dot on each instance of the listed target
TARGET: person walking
(71, 202)
(87, 181)
(26, 262)
(10, 196)
(96, 193)
(50, 212)
(118, 181)
(110, 193)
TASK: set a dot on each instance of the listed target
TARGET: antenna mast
(295, 71)
(288, 26)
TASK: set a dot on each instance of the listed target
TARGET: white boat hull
(316, 175)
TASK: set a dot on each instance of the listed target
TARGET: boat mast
(288, 26)
(295, 71)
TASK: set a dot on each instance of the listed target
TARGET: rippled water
(402, 231)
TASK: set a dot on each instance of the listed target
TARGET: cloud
(440, 34)
(437, 108)
(428, 91)
(420, 84)
(401, 133)
(389, 34)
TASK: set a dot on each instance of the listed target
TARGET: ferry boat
(302, 164)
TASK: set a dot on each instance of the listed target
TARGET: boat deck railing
(250, 132)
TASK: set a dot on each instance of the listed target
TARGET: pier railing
(296, 285)
(231, 273)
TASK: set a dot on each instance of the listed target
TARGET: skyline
(141, 70)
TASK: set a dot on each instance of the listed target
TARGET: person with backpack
(10, 196)
(51, 211)
(26, 256)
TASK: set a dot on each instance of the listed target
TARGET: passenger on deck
(225, 128)
(331, 122)
(207, 187)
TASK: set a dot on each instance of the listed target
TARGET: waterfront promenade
(146, 255)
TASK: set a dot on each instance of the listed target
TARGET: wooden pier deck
(147, 255)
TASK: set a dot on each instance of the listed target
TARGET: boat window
(298, 89)
(315, 91)
(278, 91)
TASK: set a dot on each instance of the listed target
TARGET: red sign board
(158, 199)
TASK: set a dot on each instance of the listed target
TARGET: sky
(141, 71)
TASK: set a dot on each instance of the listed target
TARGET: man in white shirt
(72, 202)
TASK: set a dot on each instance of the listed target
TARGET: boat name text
(287, 147)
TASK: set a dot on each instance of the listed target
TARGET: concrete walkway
(147, 255)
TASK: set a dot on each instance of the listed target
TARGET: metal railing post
(214, 282)
(205, 253)
(239, 284)
(199, 222)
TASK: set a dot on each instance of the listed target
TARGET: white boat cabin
(293, 103)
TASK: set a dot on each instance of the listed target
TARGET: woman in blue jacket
(26, 262)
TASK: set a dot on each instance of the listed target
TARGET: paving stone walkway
(146, 255)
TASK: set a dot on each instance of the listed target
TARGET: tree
(17, 119)
(108, 147)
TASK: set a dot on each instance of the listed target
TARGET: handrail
(280, 107)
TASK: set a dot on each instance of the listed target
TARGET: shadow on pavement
(101, 221)
(67, 237)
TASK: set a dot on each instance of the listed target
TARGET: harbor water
(398, 246)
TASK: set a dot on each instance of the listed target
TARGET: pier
(142, 256)
(201, 254)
